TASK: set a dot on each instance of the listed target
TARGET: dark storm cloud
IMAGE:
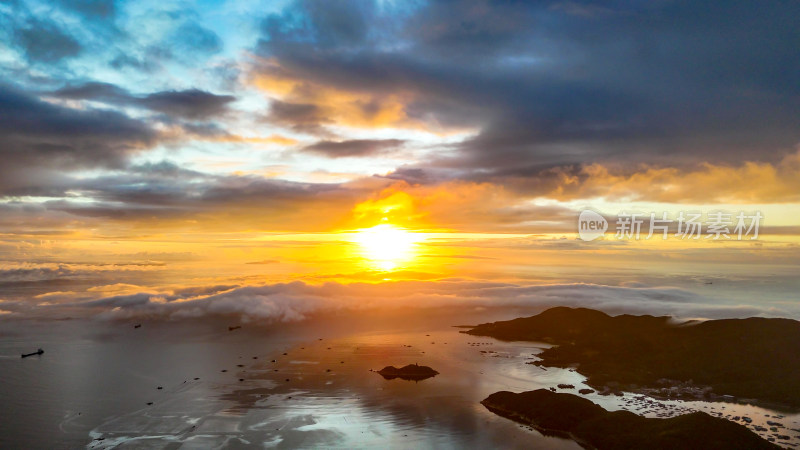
(327, 24)
(103, 92)
(560, 83)
(270, 193)
(163, 191)
(37, 136)
(192, 103)
(189, 104)
(354, 147)
(153, 189)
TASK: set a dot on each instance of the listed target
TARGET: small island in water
(755, 359)
(413, 372)
(590, 425)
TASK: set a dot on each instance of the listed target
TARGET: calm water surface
(222, 389)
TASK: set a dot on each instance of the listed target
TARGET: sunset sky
(277, 159)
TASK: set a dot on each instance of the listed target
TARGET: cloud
(354, 147)
(103, 92)
(302, 117)
(38, 136)
(44, 41)
(667, 102)
(748, 182)
(297, 301)
(192, 103)
(43, 272)
(213, 133)
(559, 83)
(189, 104)
(92, 8)
(462, 206)
(349, 104)
(193, 37)
(164, 196)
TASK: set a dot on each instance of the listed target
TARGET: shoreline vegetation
(753, 360)
(592, 426)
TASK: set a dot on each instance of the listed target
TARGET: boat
(38, 352)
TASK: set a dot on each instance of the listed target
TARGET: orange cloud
(389, 203)
(180, 134)
(358, 109)
(271, 139)
(456, 205)
(750, 182)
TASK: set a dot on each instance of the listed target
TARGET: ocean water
(305, 385)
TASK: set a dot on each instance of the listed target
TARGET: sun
(386, 246)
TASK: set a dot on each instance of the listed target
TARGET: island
(757, 359)
(412, 372)
(591, 426)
